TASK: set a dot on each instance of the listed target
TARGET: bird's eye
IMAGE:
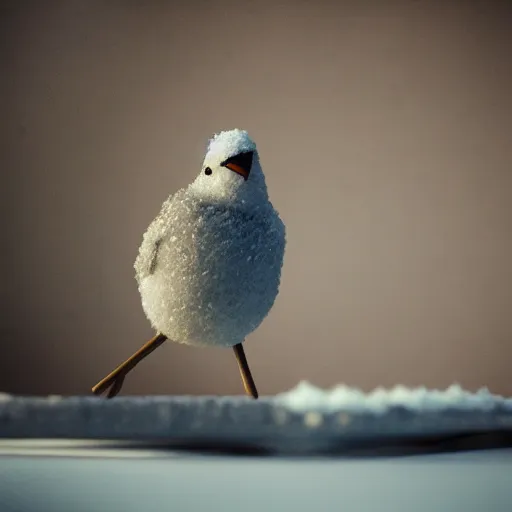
(207, 171)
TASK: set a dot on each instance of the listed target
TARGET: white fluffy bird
(209, 266)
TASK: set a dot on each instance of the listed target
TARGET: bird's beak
(241, 164)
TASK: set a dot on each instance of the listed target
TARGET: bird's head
(231, 171)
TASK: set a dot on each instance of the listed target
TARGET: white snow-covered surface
(304, 420)
(307, 397)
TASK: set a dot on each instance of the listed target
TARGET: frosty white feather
(209, 266)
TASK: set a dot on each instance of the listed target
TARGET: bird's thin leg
(116, 386)
(116, 378)
(245, 372)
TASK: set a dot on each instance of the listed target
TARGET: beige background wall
(384, 128)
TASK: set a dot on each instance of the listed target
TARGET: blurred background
(384, 129)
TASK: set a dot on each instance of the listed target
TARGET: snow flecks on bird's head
(226, 144)
(241, 186)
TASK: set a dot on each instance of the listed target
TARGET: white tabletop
(81, 478)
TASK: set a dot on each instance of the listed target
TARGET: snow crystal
(229, 143)
(306, 397)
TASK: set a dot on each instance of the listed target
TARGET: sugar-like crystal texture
(209, 266)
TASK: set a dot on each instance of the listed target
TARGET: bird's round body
(209, 266)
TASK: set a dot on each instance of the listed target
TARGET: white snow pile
(306, 397)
